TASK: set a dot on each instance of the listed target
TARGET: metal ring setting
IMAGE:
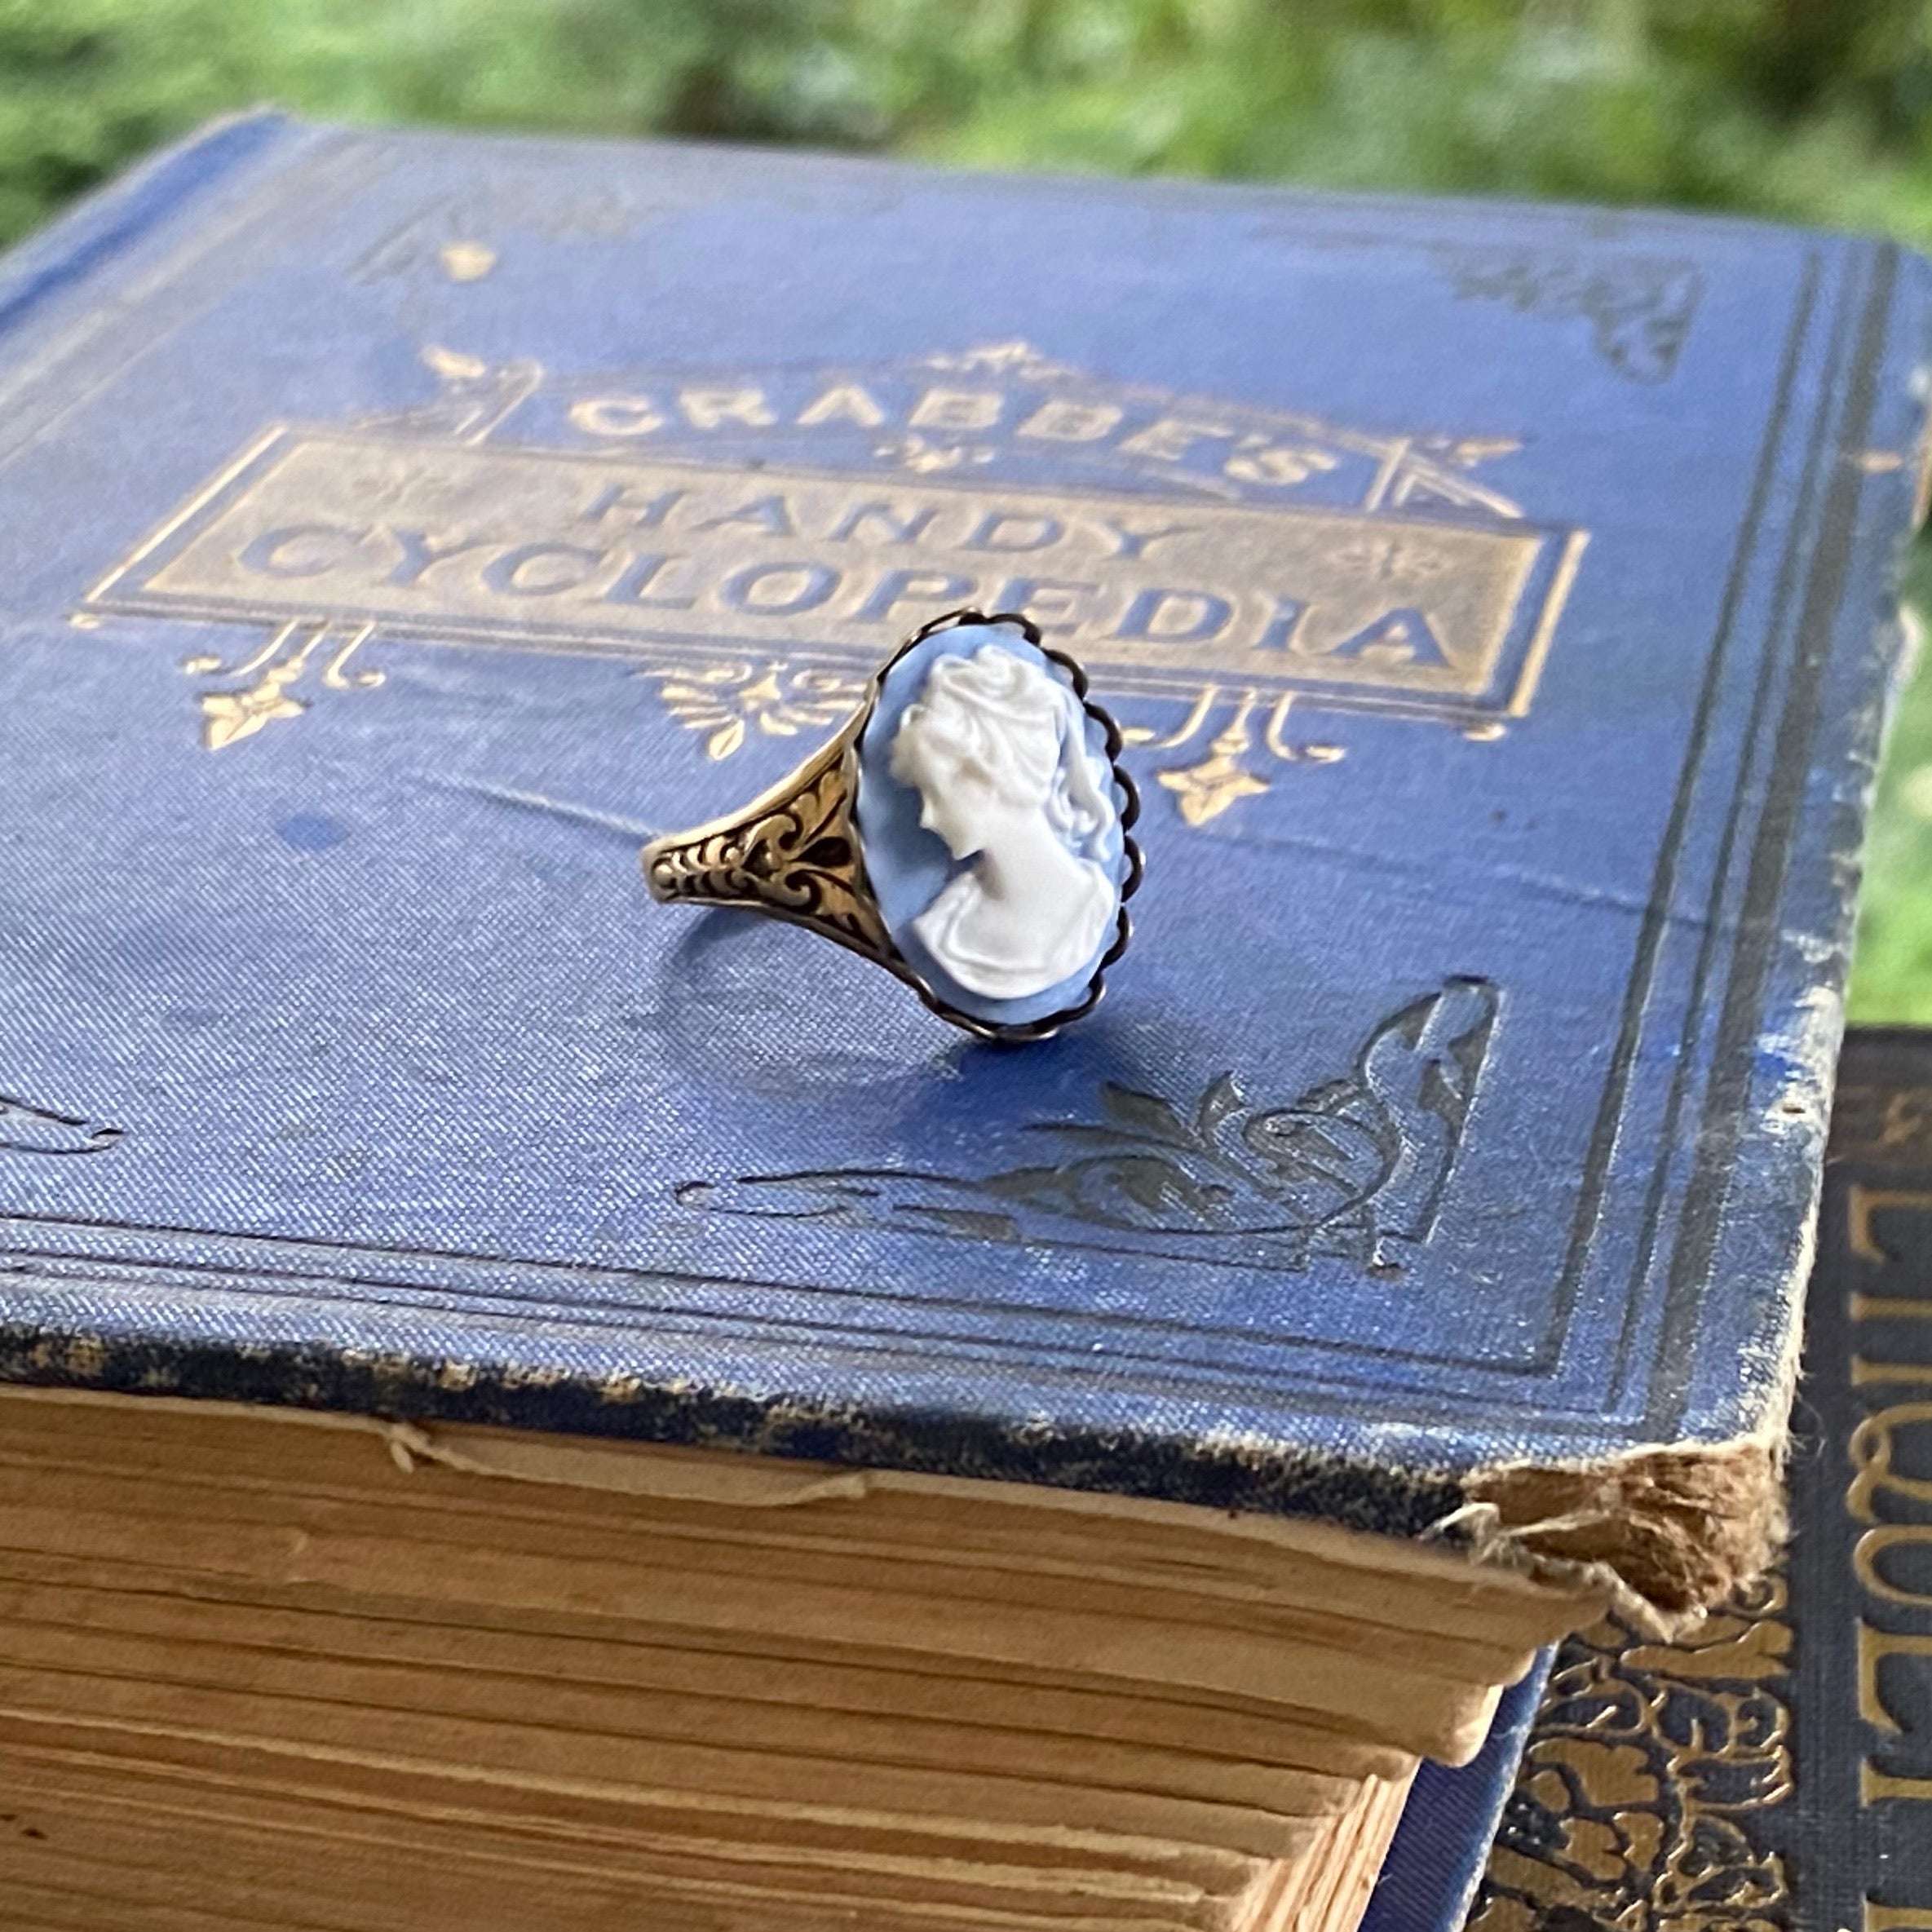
(967, 828)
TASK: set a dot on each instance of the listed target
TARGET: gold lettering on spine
(1868, 1562)
(1897, 1918)
(1895, 1308)
(1873, 1446)
(1882, 1123)
(1886, 1450)
(1874, 1647)
(1862, 1202)
(1875, 1787)
(1866, 1374)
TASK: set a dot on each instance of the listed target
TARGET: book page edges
(1555, 1601)
(1658, 1534)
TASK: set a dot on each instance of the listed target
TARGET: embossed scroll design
(1353, 1168)
(795, 856)
(1639, 308)
(1637, 1804)
(28, 1129)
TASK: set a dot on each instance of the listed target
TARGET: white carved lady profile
(996, 748)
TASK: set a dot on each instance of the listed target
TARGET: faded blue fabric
(908, 866)
(1810, 1688)
(403, 527)
(1436, 1858)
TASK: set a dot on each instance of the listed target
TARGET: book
(1083, 1479)
(1774, 1768)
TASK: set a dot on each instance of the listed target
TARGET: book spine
(1436, 1859)
(1782, 1750)
(1793, 948)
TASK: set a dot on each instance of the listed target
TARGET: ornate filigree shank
(792, 854)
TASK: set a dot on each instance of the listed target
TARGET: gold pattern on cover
(229, 716)
(728, 700)
(1221, 779)
(1206, 790)
(1649, 1761)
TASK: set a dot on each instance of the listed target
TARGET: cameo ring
(967, 828)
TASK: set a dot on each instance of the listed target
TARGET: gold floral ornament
(229, 716)
(1203, 791)
(291, 655)
(728, 701)
(1635, 1807)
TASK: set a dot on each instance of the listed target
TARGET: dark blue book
(1496, 600)
(1436, 1856)
(1774, 1769)
(404, 529)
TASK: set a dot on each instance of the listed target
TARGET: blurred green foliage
(1816, 110)
(1892, 968)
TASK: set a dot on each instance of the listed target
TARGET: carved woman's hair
(1021, 730)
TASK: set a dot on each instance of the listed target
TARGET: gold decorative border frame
(732, 690)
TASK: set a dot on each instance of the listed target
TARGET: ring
(967, 828)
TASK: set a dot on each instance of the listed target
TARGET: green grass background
(1816, 110)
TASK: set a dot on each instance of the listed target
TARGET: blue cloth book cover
(1774, 1771)
(1436, 1859)
(403, 528)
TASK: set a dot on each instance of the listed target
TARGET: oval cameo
(989, 818)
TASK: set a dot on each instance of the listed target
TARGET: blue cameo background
(910, 866)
